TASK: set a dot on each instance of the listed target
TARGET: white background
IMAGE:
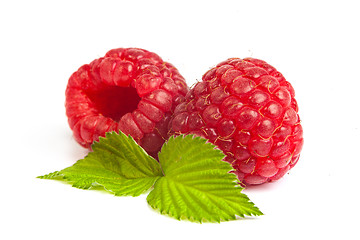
(315, 44)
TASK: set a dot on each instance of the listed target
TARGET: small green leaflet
(197, 184)
(116, 163)
(190, 181)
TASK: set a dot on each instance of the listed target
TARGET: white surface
(315, 44)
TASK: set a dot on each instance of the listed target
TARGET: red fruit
(248, 109)
(129, 89)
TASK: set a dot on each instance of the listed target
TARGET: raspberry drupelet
(248, 110)
(129, 89)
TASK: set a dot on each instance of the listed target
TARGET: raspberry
(248, 110)
(129, 89)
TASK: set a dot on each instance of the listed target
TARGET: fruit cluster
(129, 89)
(248, 109)
(244, 106)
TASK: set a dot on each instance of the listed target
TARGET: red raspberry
(248, 109)
(129, 89)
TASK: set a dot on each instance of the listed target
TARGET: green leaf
(190, 180)
(197, 184)
(117, 163)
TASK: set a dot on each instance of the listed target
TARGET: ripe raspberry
(129, 89)
(248, 109)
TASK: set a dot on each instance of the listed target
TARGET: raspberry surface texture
(248, 110)
(129, 89)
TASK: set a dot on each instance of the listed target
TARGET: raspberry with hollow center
(248, 110)
(129, 89)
